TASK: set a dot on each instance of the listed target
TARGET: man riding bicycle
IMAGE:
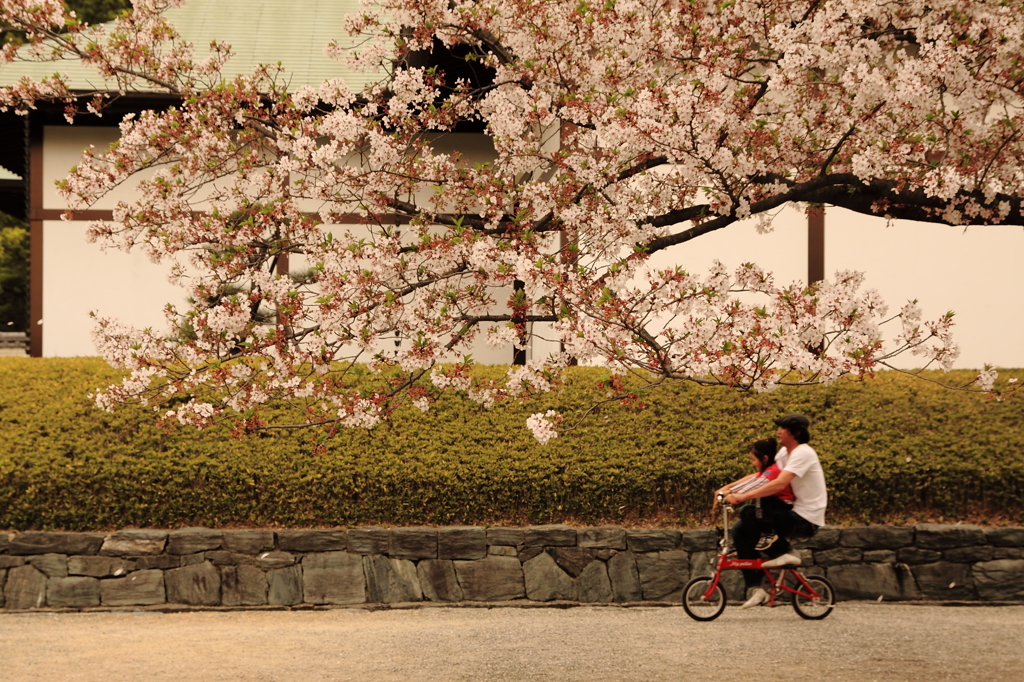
(800, 470)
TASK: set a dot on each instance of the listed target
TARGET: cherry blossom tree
(621, 129)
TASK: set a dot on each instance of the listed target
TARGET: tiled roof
(293, 32)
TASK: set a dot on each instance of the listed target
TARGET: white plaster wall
(78, 278)
(974, 272)
(62, 150)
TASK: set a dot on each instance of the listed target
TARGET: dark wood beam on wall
(35, 236)
(815, 243)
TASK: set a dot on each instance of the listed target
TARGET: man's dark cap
(791, 420)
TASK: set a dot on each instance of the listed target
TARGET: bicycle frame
(778, 584)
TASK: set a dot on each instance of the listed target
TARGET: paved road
(859, 641)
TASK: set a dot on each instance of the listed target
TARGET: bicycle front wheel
(700, 605)
(814, 607)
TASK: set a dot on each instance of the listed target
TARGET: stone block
(3, 580)
(545, 581)
(878, 556)
(333, 578)
(1007, 553)
(572, 560)
(405, 582)
(413, 543)
(601, 537)
(192, 559)
(1005, 536)
(197, 584)
(248, 541)
(914, 555)
(700, 540)
(653, 540)
(663, 574)
(871, 581)
(11, 561)
(163, 562)
(625, 578)
(807, 556)
(938, 536)
(605, 554)
(703, 564)
(527, 553)
(75, 592)
(508, 537)
(271, 560)
(876, 537)
(969, 555)
(377, 571)
(25, 588)
(552, 535)
(242, 585)
(999, 580)
(826, 537)
(193, 540)
(222, 557)
(368, 540)
(313, 540)
(99, 566)
(140, 588)
(839, 555)
(284, 586)
(944, 580)
(438, 581)
(461, 542)
(52, 565)
(37, 542)
(5, 541)
(496, 578)
(595, 587)
(502, 550)
(134, 543)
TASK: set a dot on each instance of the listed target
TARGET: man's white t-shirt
(808, 484)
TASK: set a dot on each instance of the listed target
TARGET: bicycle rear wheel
(814, 608)
(696, 605)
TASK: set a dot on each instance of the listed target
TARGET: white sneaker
(784, 560)
(756, 599)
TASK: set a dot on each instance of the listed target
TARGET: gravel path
(859, 641)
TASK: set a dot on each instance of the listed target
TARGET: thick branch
(509, 317)
(876, 198)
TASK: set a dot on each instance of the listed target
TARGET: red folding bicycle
(704, 597)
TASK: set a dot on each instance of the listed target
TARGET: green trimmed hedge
(894, 449)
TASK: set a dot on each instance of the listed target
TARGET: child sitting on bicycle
(762, 509)
(756, 518)
(762, 456)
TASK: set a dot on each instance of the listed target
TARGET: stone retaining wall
(293, 568)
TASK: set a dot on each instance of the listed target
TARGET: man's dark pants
(776, 516)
